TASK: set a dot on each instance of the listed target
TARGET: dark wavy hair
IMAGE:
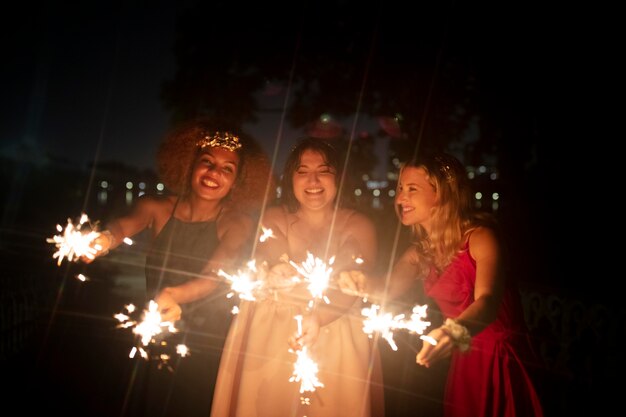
(178, 152)
(330, 154)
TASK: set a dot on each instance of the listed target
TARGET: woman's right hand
(352, 283)
(100, 246)
(168, 307)
(281, 277)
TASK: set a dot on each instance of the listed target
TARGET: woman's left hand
(430, 354)
(309, 334)
(168, 307)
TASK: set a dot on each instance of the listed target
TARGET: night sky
(82, 82)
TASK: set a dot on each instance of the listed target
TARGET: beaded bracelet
(459, 334)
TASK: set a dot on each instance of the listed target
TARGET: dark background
(90, 89)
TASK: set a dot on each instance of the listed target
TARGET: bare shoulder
(154, 202)
(276, 218)
(483, 241)
(157, 207)
(234, 220)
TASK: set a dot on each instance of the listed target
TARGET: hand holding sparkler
(82, 241)
(307, 333)
(75, 242)
(169, 309)
(305, 369)
(442, 341)
(353, 283)
(150, 328)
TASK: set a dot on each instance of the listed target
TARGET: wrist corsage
(459, 334)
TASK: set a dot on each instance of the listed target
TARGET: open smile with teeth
(314, 190)
(207, 182)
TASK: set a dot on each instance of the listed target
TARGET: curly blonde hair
(179, 150)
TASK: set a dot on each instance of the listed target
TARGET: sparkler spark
(75, 242)
(386, 323)
(305, 369)
(148, 330)
(267, 233)
(243, 283)
(317, 273)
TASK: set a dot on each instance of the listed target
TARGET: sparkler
(148, 329)
(386, 323)
(74, 242)
(242, 282)
(305, 369)
(317, 273)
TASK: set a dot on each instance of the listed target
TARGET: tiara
(224, 140)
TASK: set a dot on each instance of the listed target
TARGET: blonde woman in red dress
(457, 254)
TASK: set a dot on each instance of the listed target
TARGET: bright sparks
(317, 273)
(267, 233)
(243, 282)
(305, 369)
(148, 330)
(75, 242)
(386, 323)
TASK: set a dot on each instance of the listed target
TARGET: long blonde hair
(454, 217)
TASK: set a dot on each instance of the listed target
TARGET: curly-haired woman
(218, 182)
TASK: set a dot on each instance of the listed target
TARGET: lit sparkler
(78, 241)
(305, 369)
(148, 329)
(243, 282)
(317, 274)
(386, 323)
(74, 241)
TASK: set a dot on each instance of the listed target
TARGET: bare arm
(488, 293)
(142, 216)
(403, 276)
(359, 242)
(234, 232)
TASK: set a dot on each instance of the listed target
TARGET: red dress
(491, 379)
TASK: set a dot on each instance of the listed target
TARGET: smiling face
(415, 197)
(214, 173)
(314, 181)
